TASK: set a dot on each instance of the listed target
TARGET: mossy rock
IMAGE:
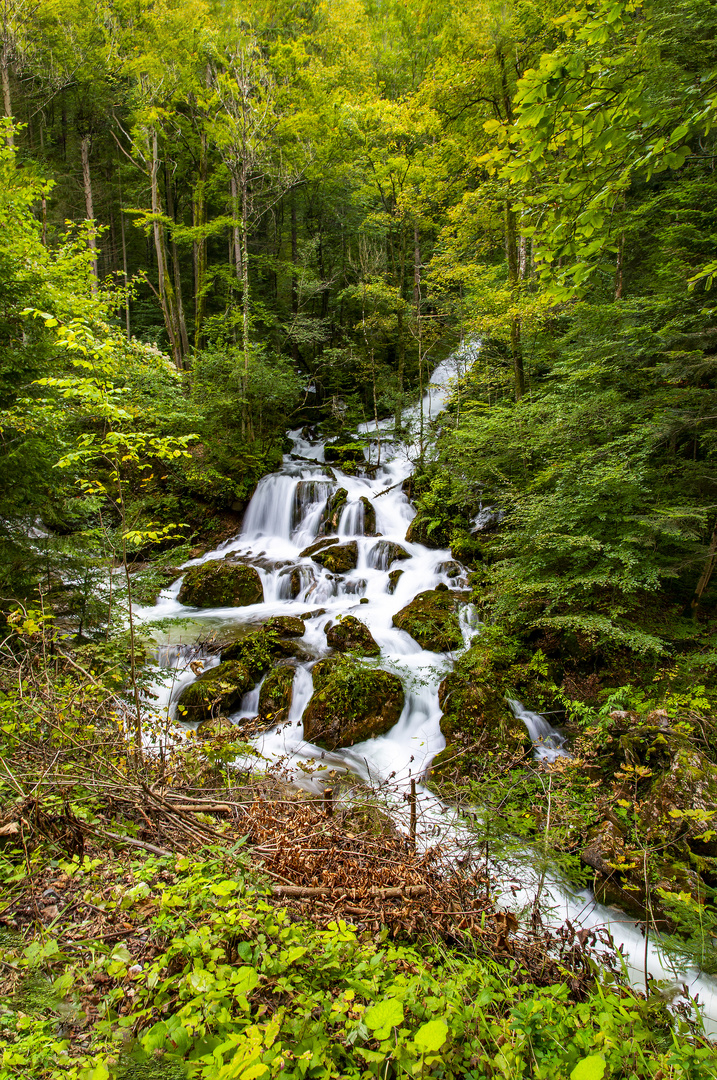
(332, 514)
(215, 693)
(393, 579)
(338, 559)
(221, 584)
(369, 516)
(351, 635)
(287, 626)
(276, 694)
(349, 456)
(318, 545)
(258, 650)
(431, 620)
(421, 531)
(682, 805)
(386, 552)
(351, 703)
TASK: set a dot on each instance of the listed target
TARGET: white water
(284, 517)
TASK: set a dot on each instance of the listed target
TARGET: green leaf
(384, 1015)
(431, 1036)
(590, 1068)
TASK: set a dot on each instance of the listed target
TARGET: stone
(682, 805)
(351, 635)
(393, 578)
(338, 559)
(332, 514)
(418, 533)
(386, 552)
(276, 694)
(309, 551)
(258, 650)
(351, 702)
(451, 569)
(369, 516)
(221, 584)
(217, 692)
(431, 619)
(287, 626)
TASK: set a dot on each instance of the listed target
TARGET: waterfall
(547, 741)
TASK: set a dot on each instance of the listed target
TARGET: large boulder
(221, 584)
(351, 635)
(420, 531)
(215, 693)
(349, 456)
(318, 545)
(431, 619)
(259, 650)
(369, 516)
(338, 558)
(351, 703)
(287, 626)
(276, 694)
(386, 552)
(681, 807)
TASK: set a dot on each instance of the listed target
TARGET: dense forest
(238, 239)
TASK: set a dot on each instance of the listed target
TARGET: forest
(358, 624)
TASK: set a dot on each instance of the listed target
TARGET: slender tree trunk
(177, 271)
(511, 250)
(706, 574)
(618, 267)
(200, 243)
(5, 75)
(419, 335)
(165, 287)
(89, 207)
(294, 275)
(400, 331)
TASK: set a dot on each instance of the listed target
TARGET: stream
(284, 516)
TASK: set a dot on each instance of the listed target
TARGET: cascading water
(285, 515)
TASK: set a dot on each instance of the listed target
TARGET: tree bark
(511, 251)
(165, 288)
(89, 207)
(200, 243)
(177, 272)
(5, 74)
(294, 275)
(706, 573)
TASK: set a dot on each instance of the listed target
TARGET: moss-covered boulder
(276, 694)
(332, 514)
(431, 619)
(215, 693)
(351, 635)
(287, 626)
(351, 703)
(386, 552)
(681, 806)
(318, 545)
(221, 584)
(393, 579)
(257, 651)
(349, 456)
(422, 531)
(369, 516)
(339, 558)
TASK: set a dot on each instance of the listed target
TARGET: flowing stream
(284, 516)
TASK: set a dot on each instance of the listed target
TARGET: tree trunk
(706, 574)
(179, 303)
(7, 101)
(618, 267)
(511, 251)
(89, 207)
(417, 307)
(200, 244)
(165, 297)
(294, 275)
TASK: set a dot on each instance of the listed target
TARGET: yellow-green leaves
(383, 1016)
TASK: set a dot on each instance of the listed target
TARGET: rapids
(284, 516)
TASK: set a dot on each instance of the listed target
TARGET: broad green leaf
(384, 1015)
(431, 1036)
(590, 1068)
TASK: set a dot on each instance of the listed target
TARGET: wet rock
(386, 552)
(618, 879)
(420, 531)
(319, 545)
(258, 650)
(221, 584)
(338, 559)
(307, 493)
(351, 635)
(431, 619)
(216, 692)
(276, 694)
(351, 703)
(355, 588)
(393, 580)
(451, 569)
(334, 509)
(369, 517)
(287, 626)
(313, 614)
(682, 805)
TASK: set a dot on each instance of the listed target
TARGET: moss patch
(338, 559)
(215, 693)
(351, 635)
(221, 584)
(431, 620)
(351, 702)
(276, 694)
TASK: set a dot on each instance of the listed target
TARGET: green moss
(351, 635)
(351, 702)
(258, 650)
(215, 693)
(338, 559)
(276, 694)
(431, 620)
(221, 584)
